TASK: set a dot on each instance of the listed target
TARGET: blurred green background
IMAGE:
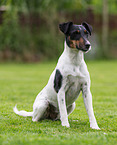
(29, 28)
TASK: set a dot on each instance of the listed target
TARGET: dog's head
(77, 35)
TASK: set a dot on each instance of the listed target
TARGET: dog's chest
(72, 89)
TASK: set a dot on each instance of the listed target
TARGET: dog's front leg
(88, 105)
(62, 108)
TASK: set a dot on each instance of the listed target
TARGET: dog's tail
(22, 112)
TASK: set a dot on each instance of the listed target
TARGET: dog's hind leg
(71, 108)
(39, 110)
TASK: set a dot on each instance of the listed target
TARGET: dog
(69, 78)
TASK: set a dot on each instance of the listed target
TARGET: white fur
(76, 77)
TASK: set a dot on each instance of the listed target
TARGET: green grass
(20, 83)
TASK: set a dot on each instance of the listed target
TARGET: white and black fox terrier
(69, 78)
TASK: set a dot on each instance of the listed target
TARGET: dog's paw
(66, 124)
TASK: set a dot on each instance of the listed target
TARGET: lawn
(20, 83)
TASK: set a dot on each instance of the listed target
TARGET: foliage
(112, 6)
(20, 83)
(64, 5)
(42, 5)
(28, 42)
(97, 6)
(23, 39)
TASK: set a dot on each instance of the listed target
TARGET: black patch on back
(57, 81)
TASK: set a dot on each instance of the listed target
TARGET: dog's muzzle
(84, 48)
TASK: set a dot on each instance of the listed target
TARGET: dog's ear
(64, 27)
(88, 27)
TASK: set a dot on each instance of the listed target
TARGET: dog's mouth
(79, 44)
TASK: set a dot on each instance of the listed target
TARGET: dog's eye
(86, 33)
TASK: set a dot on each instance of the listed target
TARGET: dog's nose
(87, 46)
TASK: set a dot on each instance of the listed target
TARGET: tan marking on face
(74, 43)
(77, 43)
(81, 40)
